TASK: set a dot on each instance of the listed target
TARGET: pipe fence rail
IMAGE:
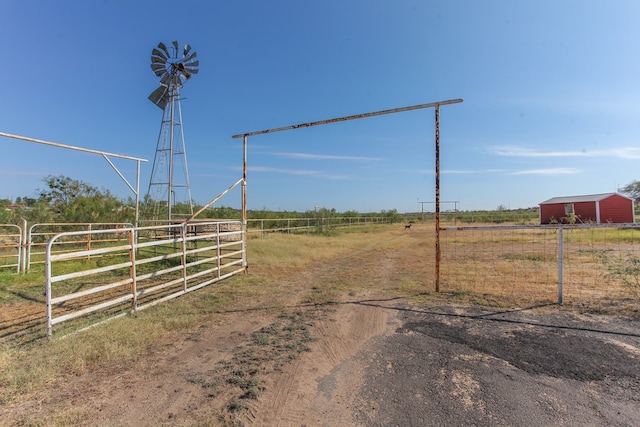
(147, 266)
(534, 264)
(11, 246)
(38, 235)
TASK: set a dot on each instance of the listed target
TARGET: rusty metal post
(88, 242)
(437, 110)
(244, 204)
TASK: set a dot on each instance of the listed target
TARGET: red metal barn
(593, 208)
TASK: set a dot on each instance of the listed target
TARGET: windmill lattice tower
(169, 186)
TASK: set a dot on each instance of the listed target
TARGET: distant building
(593, 208)
(14, 206)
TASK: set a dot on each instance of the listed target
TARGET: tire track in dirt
(318, 389)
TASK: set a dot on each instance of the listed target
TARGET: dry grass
(288, 271)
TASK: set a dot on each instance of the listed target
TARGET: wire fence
(535, 264)
(310, 224)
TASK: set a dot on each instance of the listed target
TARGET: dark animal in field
(408, 226)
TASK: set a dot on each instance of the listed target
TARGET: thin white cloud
(308, 156)
(278, 170)
(480, 171)
(631, 153)
(453, 171)
(548, 171)
(300, 172)
(628, 153)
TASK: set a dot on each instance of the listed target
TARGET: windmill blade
(160, 97)
(166, 79)
(173, 69)
(156, 52)
(158, 69)
(164, 49)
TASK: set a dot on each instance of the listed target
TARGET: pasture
(248, 328)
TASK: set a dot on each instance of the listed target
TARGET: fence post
(28, 243)
(183, 257)
(218, 252)
(47, 288)
(88, 241)
(23, 247)
(133, 273)
(560, 262)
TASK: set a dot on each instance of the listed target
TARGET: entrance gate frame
(435, 105)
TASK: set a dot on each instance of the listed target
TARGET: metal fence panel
(147, 266)
(38, 235)
(11, 243)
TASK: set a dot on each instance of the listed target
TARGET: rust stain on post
(437, 198)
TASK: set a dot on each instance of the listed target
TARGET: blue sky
(551, 98)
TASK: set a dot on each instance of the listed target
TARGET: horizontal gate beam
(346, 118)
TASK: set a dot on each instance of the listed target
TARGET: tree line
(64, 199)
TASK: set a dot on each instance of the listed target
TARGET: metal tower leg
(169, 194)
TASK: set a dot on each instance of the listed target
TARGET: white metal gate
(145, 266)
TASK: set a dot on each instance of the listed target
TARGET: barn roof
(577, 199)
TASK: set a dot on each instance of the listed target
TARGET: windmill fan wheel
(174, 66)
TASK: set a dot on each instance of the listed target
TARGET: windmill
(169, 183)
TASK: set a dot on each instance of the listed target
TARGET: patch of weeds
(239, 404)
(251, 393)
(320, 295)
(625, 268)
(261, 338)
(539, 257)
(269, 350)
(195, 336)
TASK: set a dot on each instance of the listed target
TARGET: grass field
(288, 272)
